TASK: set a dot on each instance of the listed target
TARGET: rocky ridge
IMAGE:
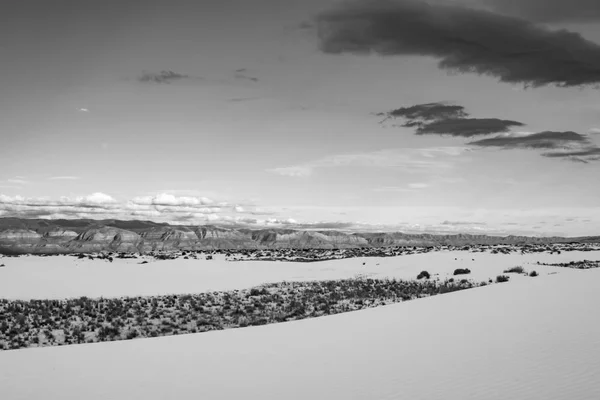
(38, 236)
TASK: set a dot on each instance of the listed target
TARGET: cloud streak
(464, 40)
(64, 178)
(567, 145)
(540, 140)
(411, 160)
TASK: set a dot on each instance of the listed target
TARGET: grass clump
(502, 278)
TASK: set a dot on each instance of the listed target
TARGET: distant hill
(42, 236)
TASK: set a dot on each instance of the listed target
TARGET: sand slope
(529, 339)
(58, 277)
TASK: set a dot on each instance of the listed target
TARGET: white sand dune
(529, 339)
(57, 277)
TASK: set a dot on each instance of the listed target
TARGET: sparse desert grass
(515, 270)
(84, 320)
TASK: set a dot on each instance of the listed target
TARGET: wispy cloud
(540, 140)
(410, 159)
(18, 181)
(568, 145)
(242, 73)
(64, 178)
(465, 40)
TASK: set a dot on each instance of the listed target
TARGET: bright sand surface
(28, 277)
(534, 338)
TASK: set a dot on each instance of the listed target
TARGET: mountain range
(43, 236)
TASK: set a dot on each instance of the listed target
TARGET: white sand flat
(529, 339)
(58, 277)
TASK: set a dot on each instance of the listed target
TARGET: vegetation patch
(84, 320)
(585, 264)
(515, 270)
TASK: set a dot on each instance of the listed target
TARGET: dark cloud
(464, 40)
(445, 119)
(161, 77)
(548, 10)
(540, 140)
(420, 114)
(584, 155)
(467, 127)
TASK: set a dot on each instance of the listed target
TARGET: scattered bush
(423, 274)
(533, 273)
(460, 271)
(502, 278)
(517, 270)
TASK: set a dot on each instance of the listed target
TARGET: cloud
(465, 40)
(540, 140)
(548, 10)
(595, 130)
(18, 181)
(163, 207)
(468, 127)
(241, 74)
(80, 207)
(461, 223)
(409, 159)
(165, 199)
(570, 145)
(165, 76)
(83, 110)
(584, 155)
(64, 178)
(418, 185)
(444, 119)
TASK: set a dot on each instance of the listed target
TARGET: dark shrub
(502, 278)
(533, 273)
(423, 274)
(517, 270)
(460, 271)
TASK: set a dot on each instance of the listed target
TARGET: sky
(474, 116)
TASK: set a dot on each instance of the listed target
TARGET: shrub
(517, 270)
(460, 271)
(533, 273)
(423, 274)
(502, 278)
